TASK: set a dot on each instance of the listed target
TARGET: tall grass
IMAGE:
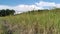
(38, 22)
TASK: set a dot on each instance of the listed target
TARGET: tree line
(6, 12)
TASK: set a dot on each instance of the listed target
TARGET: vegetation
(6, 12)
(33, 22)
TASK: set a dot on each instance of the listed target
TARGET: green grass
(46, 22)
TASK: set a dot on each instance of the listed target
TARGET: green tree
(6, 12)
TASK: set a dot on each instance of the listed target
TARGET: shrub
(6, 12)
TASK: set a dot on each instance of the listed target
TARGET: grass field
(38, 22)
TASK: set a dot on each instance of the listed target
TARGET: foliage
(36, 22)
(6, 12)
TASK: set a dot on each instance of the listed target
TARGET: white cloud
(42, 3)
(5, 7)
(27, 7)
(47, 4)
(36, 6)
(58, 5)
(21, 8)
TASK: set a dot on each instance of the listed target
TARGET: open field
(38, 22)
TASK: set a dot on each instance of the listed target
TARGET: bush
(6, 12)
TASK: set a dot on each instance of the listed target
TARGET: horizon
(28, 5)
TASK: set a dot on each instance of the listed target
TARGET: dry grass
(31, 23)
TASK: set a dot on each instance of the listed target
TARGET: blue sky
(28, 5)
(17, 2)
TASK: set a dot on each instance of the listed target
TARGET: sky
(17, 2)
(28, 5)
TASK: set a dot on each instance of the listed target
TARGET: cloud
(47, 4)
(24, 8)
(58, 5)
(39, 5)
(42, 3)
(21, 8)
(5, 7)
(27, 7)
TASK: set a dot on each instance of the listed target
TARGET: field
(34, 22)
